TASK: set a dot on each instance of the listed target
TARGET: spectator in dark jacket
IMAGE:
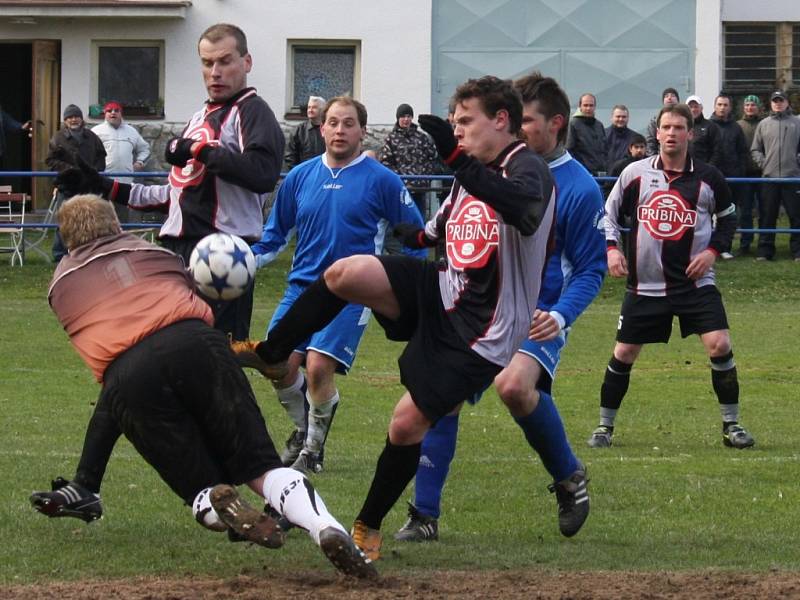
(409, 151)
(68, 143)
(748, 193)
(637, 150)
(586, 138)
(734, 151)
(705, 145)
(74, 140)
(306, 140)
(618, 135)
(9, 124)
(669, 97)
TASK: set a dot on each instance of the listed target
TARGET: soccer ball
(223, 266)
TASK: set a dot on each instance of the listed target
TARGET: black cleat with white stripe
(68, 499)
(572, 496)
(418, 528)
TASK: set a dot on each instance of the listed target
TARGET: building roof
(31, 10)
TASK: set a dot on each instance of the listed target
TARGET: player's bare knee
(336, 275)
(513, 392)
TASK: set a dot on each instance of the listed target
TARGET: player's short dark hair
(494, 95)
(222, 30)
(637, 138)
(551, 97)
(679, 109)
(361, 110)
(620, 107)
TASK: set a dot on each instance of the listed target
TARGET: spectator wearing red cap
(126, 150)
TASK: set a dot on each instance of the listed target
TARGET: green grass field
(666, 496)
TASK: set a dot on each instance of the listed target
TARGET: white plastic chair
(12, 215)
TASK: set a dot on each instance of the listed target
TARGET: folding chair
(43, 232)
(12, 215)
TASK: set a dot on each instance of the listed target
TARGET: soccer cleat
(601, 437)
(367, 539)
(345, 555)
(572, 496)
(246, 356)
(308, 463)
(736, 436)
(68, 499)
(293, 447)
(249, 523)
(418, 528)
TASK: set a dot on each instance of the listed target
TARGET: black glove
(444, 139)
(412, 236)
(179, 151)
(84, 179)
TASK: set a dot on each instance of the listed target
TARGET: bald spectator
(586, 138)
(618, 135)
(306, 140)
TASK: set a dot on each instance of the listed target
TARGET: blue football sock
(438, 449)
(544, 431)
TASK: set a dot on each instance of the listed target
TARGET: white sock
(291, 494)
(319, 422)
(292, 399)
(204, 513)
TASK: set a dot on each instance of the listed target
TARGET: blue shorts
(339, 339)
(547, 354)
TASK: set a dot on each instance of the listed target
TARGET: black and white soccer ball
(223, 266)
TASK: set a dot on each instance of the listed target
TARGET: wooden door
(46, 101)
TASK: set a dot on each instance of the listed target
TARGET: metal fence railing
(433, 186)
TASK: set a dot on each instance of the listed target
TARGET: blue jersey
(577, 266)
(335, 213)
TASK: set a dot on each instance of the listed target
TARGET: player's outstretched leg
(68, 499)
(247, 522)
(292, 495)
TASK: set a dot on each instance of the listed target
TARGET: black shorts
(184, 403)
(437, 367)
(648, 319)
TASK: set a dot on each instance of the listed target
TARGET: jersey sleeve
(258, 166)
(280, 225)
(584, 248)
(399, 208)
(725, 212)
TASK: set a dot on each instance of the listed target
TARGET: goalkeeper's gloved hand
(444, 139)
(179, 151)
(84, 179)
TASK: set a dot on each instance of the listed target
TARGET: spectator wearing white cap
(706, 137)
(775, 149)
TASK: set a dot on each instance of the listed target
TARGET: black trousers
(773, 195)
(187, 407)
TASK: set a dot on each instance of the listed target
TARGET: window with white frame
(324, 68)
(131, 73)
(761, 57)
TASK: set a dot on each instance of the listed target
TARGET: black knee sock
(726, 386)
(314, 309)
(615, 383)
(396, 467)
(102, 434)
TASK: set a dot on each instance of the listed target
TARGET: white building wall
(395, 48)
(708, 56)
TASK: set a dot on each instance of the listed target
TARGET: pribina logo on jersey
(193, 172)
(472, 234)
(666, 215)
